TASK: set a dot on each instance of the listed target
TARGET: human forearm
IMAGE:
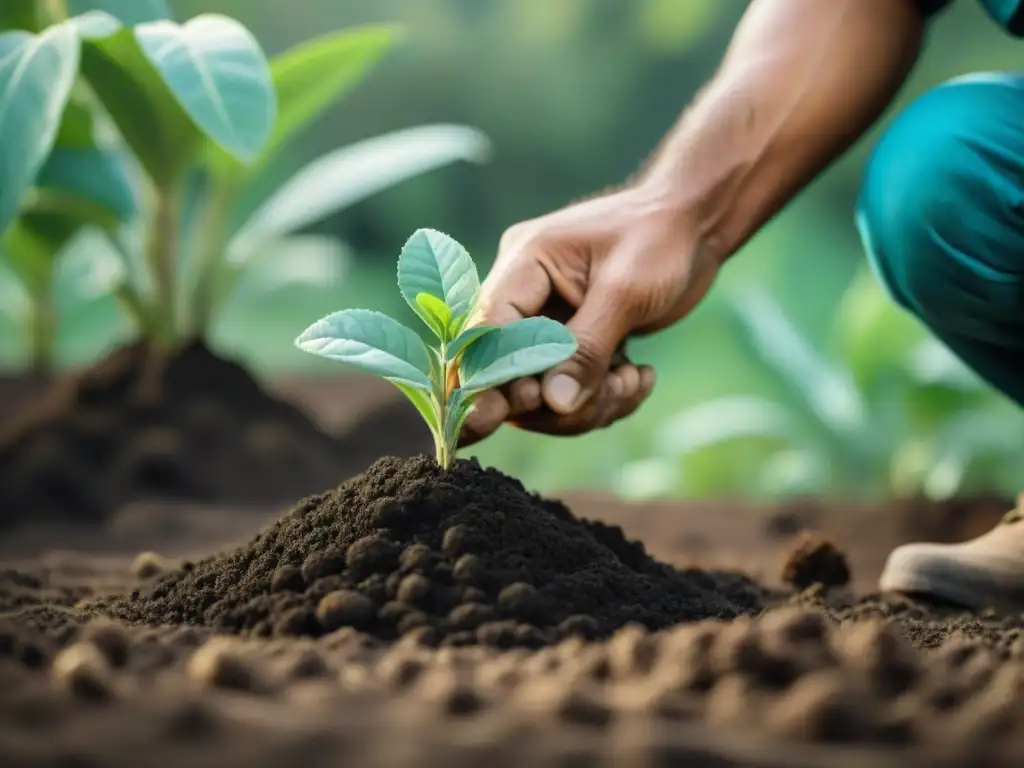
(801, 81)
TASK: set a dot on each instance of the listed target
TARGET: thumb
(600, 325)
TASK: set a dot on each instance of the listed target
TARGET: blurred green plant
(890, 411)
(115, 118)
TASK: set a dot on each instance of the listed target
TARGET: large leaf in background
(828, 389)
(306, 79)
(874, 336)
(164, 83)
(313, 262)
(88, 270)
(92, 174)
(128, 12)
(15, 304)
(932, 362)
(724, 429)
(433, 263)
(76, 125)
(372, 342)
(730, 417)
(346, 176)
(521, 348)
(30, 248)
(36, 75)
(985, 441)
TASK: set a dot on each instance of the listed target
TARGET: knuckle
(593, 349)
(516, 239)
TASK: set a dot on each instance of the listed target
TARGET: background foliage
(573, 95)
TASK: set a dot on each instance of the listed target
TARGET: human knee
(939, 191)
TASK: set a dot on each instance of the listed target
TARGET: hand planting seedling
(438, 279)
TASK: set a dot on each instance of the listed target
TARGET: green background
(573, 94)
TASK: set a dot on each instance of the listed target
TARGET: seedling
(438, 279)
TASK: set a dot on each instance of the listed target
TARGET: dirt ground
(410, 618)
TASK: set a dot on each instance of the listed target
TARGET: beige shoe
(985, 572)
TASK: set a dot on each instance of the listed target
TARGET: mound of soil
(191, 426)
(462, 556)
(815, 560)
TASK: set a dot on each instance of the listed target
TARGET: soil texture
(413, 617)
(462, 556)
(193, 426)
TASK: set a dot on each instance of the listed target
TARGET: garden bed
(412, 617)
(193, 427)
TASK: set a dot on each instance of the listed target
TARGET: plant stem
(210, 253)
(42, 332)
(162, 250)
(444, 459)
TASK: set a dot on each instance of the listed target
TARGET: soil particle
(148, 565)
(138, 426)
(540, 573)
(815, 560)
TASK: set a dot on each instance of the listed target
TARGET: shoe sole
(934, 574)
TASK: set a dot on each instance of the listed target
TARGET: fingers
(488, 413)
(600, 325)
(621, 393)
(516, 287)
(495, 406)
(624, 390)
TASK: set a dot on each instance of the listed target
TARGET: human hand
(615, 266)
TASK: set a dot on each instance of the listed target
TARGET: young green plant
(438, 279)
(116, 118)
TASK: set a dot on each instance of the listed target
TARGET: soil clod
(815, 560)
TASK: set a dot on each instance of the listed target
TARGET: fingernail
(563, 391)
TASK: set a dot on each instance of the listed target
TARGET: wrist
(664, 201)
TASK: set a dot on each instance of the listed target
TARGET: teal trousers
(941, 213)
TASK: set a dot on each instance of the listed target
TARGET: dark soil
(463, 556)
(190, 427)
(815, 560)
(368, 627)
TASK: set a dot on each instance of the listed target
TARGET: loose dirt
(461, 556)
(194, 426)
(411, 617)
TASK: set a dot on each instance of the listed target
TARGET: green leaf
(874, 336)
(373, 342)
(435, 313)
(30, 255)
(310, 76)
(826, 387)
(521, 348)
(424, 404)
(36, 75)
(91, 174)
(460, 401)
(351, 174)
(467, 337)
(44, 207)
(216, 69)
(128, 12)
(730, 417)
(76, 127)
(164, 83)
(431, 262)
(314, 262)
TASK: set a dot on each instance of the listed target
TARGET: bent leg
(942, 217)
